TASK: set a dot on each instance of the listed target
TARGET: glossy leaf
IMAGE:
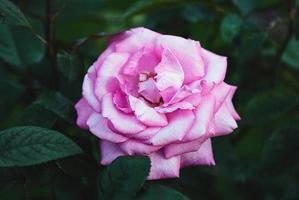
(123, 177)
(23, 146)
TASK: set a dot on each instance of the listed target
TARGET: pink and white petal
(124, 123)
(162, 168)
(204, 113)
(104, 85)
(215, 66)
(134, 147)
(98, 126)
(230, 105)
(175, 149)
(147, 133)
(83, 112)
(149, 90)
(179, 123)
(186, 51)
(203, 156)
(120, 100)
(146, 114)
(223, 123)
(98, 63)
(88, 90)
(220, 92)
(113, 64)
(180, 105)
(169, 72)
(109, 152)
(143, 61)
(135, 40)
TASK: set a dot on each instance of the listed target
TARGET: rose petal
(186, 51)
(204, 113)
(220, 92)
(162, 168)
(179, 122)
(147, 133)
(135, 39)
(109, 152)
(113, 64)
(120, 100)
(83, 111)
(223, 122)
(134, 147)
(124, 123)
(88, 89)
(230, 105)
(181, 148)
(146, 114)
(98, 126)
(169, 72)
(204, 156)
(215, 66)
(149, 90)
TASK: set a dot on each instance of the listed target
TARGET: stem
(49, 38)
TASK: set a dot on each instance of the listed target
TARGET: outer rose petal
(83, 111)
(164, 168)
(109, 152)
(135, 39)
(215, 66)
(146, 114)
(104, 85)
(134, 147)
(181, 148)
(113, 64)
(186, 51)
(204, 156)
(124, 123)
(204, 113)
(180, 122)
(169, 72)
(98, 126)
(221, 92)
(230, 105)
(147, 133)
(88, 89)
(223, 123)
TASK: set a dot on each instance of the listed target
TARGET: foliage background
(39, 87)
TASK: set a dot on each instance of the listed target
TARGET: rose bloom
(157, 95)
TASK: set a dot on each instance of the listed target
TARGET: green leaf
(230, 27)
(246, 6)
(24, 146)
(58, 104)
(123, 178)
(19, 47)
(291, 54)
(159, 192)
(280, 150)
(69, 65)
(11, 14)
(270, 104)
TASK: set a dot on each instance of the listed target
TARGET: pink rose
(157, 95)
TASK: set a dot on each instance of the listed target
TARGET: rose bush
(157, 95)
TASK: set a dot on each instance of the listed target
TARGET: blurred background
(40, 84)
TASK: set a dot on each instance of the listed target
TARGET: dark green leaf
(159, 192)
(291, 54)
(11, 14)
(230, 27)
(23, 146)
(270, 104)
(246, 6)
(69, 65)
(123, 178)
(19, 47)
